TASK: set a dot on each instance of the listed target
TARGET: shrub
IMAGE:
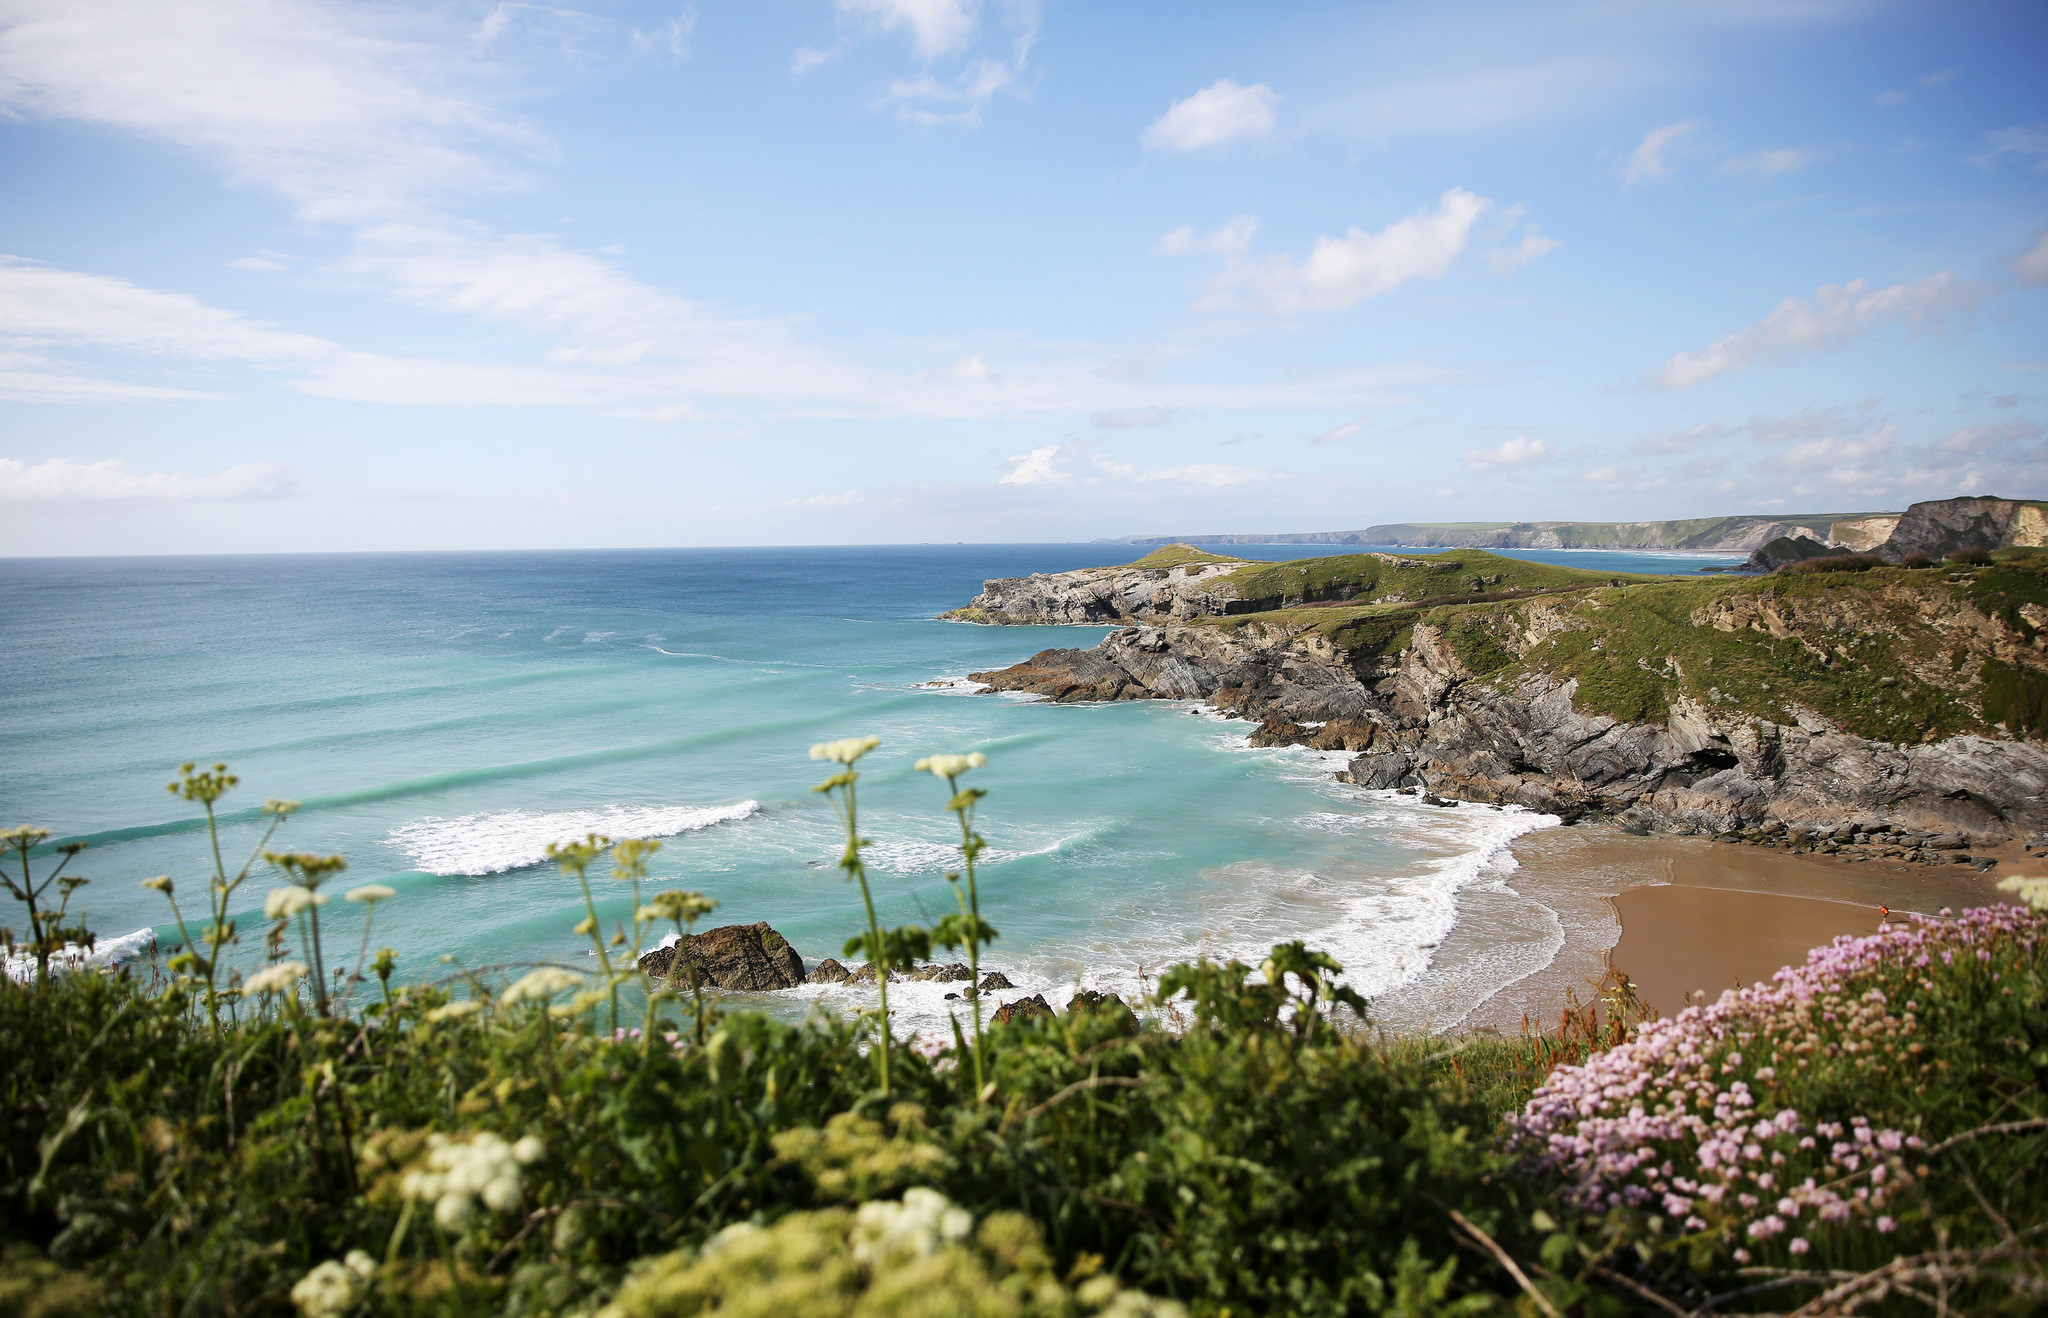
(1971, 557)
(1834, 563)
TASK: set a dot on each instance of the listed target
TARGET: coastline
(1685, 914)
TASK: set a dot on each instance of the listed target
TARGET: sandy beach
(1685, 915)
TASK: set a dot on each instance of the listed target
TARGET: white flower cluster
(461, 1170)
(950, 766)
(274, 979)
(284, 903)
(540, 985)
(332, 1288)
(925, 1220)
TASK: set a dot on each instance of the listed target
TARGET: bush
(1971, 557)
(1834, 563)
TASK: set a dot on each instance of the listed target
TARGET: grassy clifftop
(1891, 653)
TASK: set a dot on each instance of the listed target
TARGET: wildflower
(332, 1289)
(463, 1171)
(845, 750)
(1885, 1226)
(284, 903)
(540, 985)
(917, 1226)
(454, 1011)
(274, 979)
(161, 883)
(1798, 1245)
(370, 893)
(950, 766)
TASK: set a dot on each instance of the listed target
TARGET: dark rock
(1947, 842)
(866, 975)
(1381, 771)
(751, 957)
(1106, 1006)
(1034, 1007)
(827, 971)
(1277, 731)
(1789, 549)
(1347, 734)
(946, 974)
(995, 979)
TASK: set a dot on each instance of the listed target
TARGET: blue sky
(283, 275)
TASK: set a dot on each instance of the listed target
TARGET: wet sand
(1680, 915)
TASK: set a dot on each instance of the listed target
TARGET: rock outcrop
(1947, 526)
(751, 957)
(1103, 595)
(1471, 703)
(1034, 1007)
(1789, 549)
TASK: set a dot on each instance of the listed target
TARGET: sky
(282, 275)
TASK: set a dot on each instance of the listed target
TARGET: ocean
(444, 717)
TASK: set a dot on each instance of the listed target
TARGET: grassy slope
(1180, 555)
(1893, 654)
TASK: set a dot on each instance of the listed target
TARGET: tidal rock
(995, 979)
(1034, 1007)
(828, 971)
(1105, 1005)
(946, 974)
(736, 956)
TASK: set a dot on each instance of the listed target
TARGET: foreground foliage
(1860, 1136)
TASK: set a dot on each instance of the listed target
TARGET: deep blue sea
(445, 716)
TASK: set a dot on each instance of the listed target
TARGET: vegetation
(287, 1140)
(1892, 653)
(1177, 555)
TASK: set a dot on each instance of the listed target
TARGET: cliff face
(1103, 595)
(1739, 534)
(1901, 707)
(1946, 526)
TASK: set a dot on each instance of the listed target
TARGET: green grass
(1887, 653)
(1179, 555)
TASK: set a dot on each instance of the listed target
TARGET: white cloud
(1991, 438)
(1836, 315)
(672, 37)
(1516, 452)
(2032, 268)
(1342, 272)
(1132, 418)
(1337, 433)
(1651, 159)
(844, 499)
(32, 377)
(937, 27)
(1219, 114)
(1038, 467)
(1842, 461)
(1770, 164)
(60, 480)
(41, 304)
(1614, 474)
(974, 368)
(1507, 260)
(1681, 441)
(1234, 237)
(2021, 142)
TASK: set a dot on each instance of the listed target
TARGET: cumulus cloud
(1219, 114)
(1836, 315)
(1651, 160)
(1132, 418)
(60, 480)
(1518, 451)
(1342, 272)
(1234, 237)
(1038, 467)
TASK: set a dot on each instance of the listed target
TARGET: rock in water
(946, 974)
(1034, 1007)
(828, 971)
(995, 979)
(735, 956)
(1108, 1006)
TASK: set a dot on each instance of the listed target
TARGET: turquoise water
(444, 717)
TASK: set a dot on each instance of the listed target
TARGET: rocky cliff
(1903, 709)
(1739, 534)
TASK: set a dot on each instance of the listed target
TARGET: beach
(1684, 915)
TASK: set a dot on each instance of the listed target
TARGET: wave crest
(497, 841)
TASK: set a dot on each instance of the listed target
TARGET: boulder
(995, 979)
(946, 974)
(828, 971)
(736, 956)
(1387, 769)
(1107, 1006)
(1034, 1007)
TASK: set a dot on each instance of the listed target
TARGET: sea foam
(503, 840)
